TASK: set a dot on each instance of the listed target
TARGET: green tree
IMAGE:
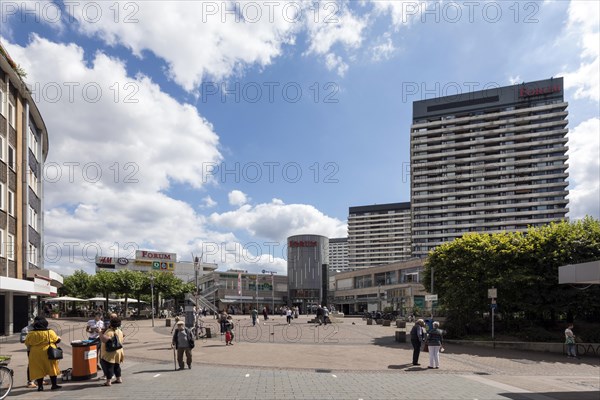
(76, 285)
(104, 283)
(129, 284)
(523, 267)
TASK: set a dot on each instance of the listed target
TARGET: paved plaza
(348, 360)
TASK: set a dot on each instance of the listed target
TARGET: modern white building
(338, 255)
(488, 161)
(378, 235)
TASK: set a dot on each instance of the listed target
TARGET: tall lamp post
(152, 296)
(264, 271)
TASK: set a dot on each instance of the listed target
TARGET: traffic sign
(494, 306)
(492, 293)
(431, 297)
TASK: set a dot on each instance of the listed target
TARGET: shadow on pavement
(523, 356)
(153, 371)
(591, 395)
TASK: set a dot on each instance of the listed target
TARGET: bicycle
(6, 377)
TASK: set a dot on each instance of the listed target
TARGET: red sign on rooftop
(538, 91)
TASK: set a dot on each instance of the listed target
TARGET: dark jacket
(417, 333)
(434, 337)
(190, 337)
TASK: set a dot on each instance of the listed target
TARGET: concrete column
(8, 313)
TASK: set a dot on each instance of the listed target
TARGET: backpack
(113, 344)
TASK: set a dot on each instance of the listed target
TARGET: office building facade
(378, 235)
(488, 161)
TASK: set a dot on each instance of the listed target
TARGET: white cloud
(403, 12)
(277, 221)
(515, 79)
(199, 39)
(111, 162)
(584, 169)
(384, 50)
(237, 198)
(337, 63)
(344, 28)
(208, 202)
(583, 28)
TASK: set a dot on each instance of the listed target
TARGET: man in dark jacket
(417, 336)
(183, 341)
(320, 314)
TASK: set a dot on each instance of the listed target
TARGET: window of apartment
(1, 148)
(11, 203)
(12, 115)
(3, 100)
(33, 218)
(2, 249)
(33, 144)
(11, 157)
(33, 254)
(1, 196)
(33, 181)
(10, 246)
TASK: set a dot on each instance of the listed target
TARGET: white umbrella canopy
(102, 299)
(130, 300)
(63, 298)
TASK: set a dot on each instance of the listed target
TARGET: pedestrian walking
(434, 342)
(223, 321)
(417, 337)
(112, 353)
(229, 331)
(288, 316)
(265, 313)
(570, 342)
(24, 332)
(320, 314)
(254, 316)
(38, 342)
(325, 315)
(183, 342)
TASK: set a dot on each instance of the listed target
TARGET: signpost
(432, 298)
(493, 294)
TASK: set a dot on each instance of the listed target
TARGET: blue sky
(166, 117)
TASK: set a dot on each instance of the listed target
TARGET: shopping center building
(148, 261)
(396, 286)
(308, 271)
(23, 150)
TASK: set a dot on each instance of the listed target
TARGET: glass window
(10, 247)
(11, 203)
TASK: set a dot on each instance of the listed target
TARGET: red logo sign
(524, 92)
(303, 243)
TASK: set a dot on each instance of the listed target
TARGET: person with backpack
(254, 316)
(111, 340)
(183, 341)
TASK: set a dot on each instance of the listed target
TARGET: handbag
(54, 353)
(426, 348)
(113, 344)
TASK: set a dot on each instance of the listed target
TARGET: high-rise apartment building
(488, 161)
(23, 150)
(378, 234)
(338, 255)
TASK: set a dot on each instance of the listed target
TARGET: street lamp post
(379, 297)
(264, 271)
(152, 296)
